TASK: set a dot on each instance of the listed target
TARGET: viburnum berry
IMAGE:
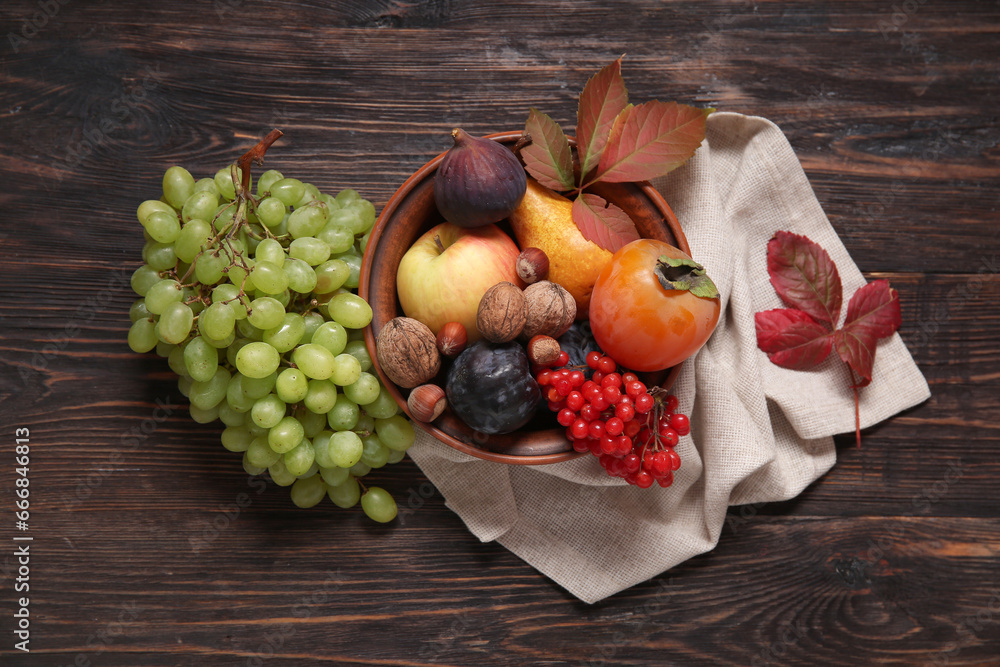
(562, 359)
(592, 359)
(680, 423)
(607, 365)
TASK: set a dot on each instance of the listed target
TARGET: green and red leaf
(872, 313)
(548, 158)
(602, 99)
(792, 339)
(602, 222)
(805, 277)
(650, 140)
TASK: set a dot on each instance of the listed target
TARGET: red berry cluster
(631, 429)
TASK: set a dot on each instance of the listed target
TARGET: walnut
(502, 313)
(551, 309)
(407, 352)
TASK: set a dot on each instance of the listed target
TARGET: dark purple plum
(491, 389)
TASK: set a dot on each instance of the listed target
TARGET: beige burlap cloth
(759, 433)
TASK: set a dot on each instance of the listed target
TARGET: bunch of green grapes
(251, 300)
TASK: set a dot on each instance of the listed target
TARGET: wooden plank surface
(158, 550)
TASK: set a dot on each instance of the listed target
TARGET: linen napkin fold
(759, 433)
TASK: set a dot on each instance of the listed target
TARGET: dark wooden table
(150, 546)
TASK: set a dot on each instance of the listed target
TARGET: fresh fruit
(631, 429)
(502, 313)
(491, 389)
(544, 220)
(442, 277)
(256, 315)
(478, 182)
(653, 306)
(407, 352)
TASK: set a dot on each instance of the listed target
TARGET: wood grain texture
(152, 547)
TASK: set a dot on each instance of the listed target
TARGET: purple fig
(478, 182)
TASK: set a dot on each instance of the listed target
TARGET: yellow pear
(544, 220)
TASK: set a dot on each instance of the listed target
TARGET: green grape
(286, 434)
(367, 212)
(330, 275)
(359, 351)
(360, 469)
(271, 212)
(299, 459)
(163, 227)
(206, 185)
(222, 219)
(176, 359)
(142, 336)
(384, 406)
(201, 359)
(339, 239)
(249, 331)
(271, 251)
(175, 323)
(266, 313)
(209, 267)
(203, 416)
(178, 185)
(217, 321)
(345, 495)
(345, 449)
(200, 205)
(288, 190)
(184, 385)
(349, 219)
(257, 360)
(378, 505)
(320, 397)
(363, 242)
(208, 394)
(395, 432)
(267, 411)
(230, 416)
(365, 423)
(310, 250)
(311, 193)
(236, 396)
(266, 180)
(344, 414)
(234, 349)
(250, 469)
(353, 261)
(307, 221)
(224, 181)
(313, 320)
(259, 387)
(230, 295)
(220, 343)
(152, 206)
(395, 456)
(350, 310)
(321, 449)
(269, 278)
(194, 237)
(332, 336)
(375, 454)
(347, 370)
(144, 278)
(312, 423)
(240, 276)
(347, 196)
(286, 335)
(279, 473)
(138, 310)
(292, 385)
(236, 438)
(331, 203)
(317, 362)
(162, 294)
(301, 277)
(364, 390)
(334, 476)
(160, 256)
(163, 348)
(308, 492)
(260, 454)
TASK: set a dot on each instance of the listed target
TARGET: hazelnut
(426, 402)
(502, 313)
(543, 350)
(551, 309)
(407, 352)
(532, 265)
(452, 339)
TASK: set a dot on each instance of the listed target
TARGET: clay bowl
(408, 214)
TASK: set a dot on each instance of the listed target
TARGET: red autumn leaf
(602, 222)
(805, 277)
(548, 157)
(601, 101)
(650, 140)
(792, 339)
(872, 313)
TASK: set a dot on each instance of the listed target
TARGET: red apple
(444, 274)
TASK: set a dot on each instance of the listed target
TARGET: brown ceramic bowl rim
(388, 210)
